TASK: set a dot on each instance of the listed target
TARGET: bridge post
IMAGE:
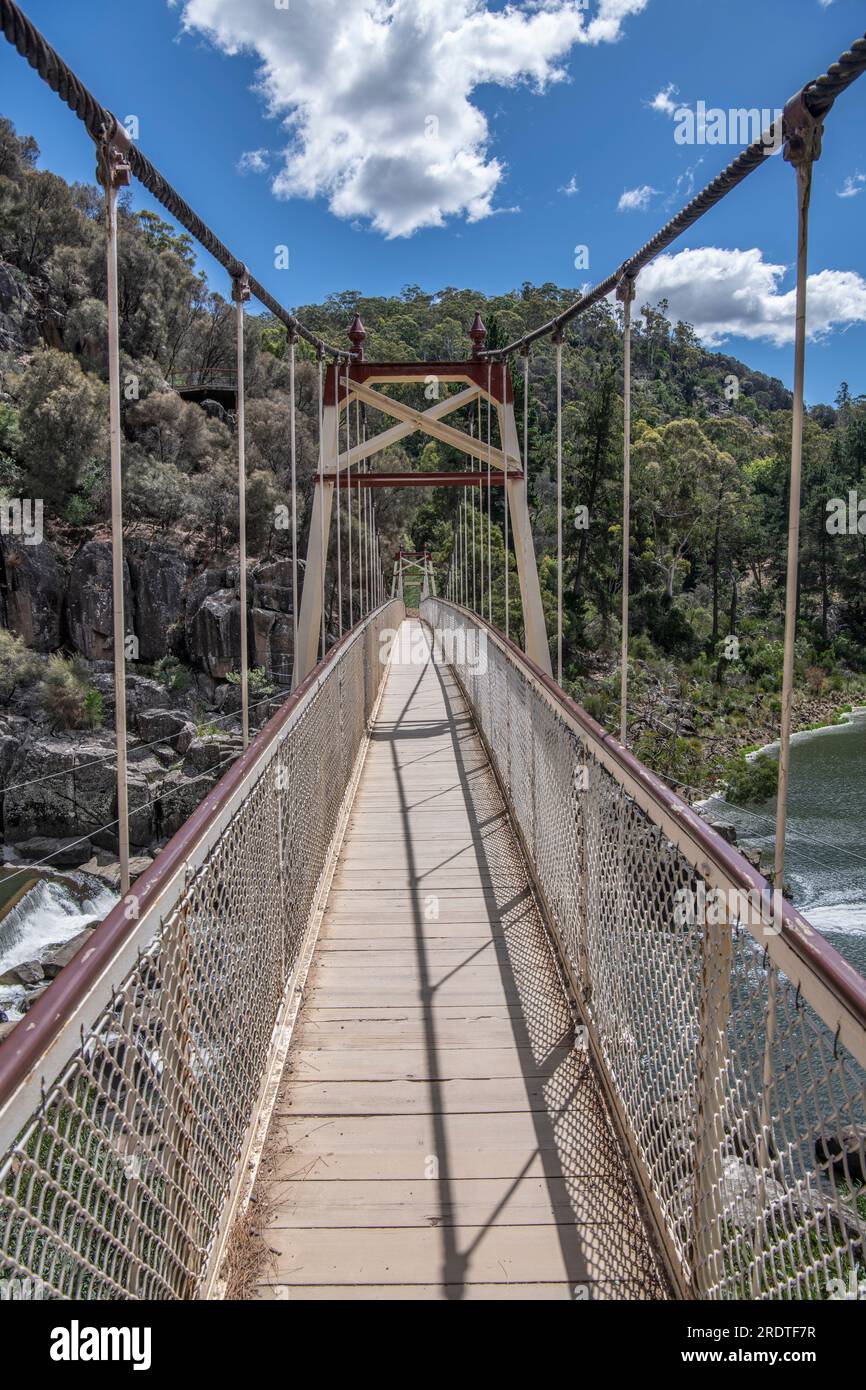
(311, 616)
(536, 645)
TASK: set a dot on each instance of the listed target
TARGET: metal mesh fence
(732, 1055)
(114, 1184)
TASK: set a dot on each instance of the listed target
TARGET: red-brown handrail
(817, 954)
(28, 1041)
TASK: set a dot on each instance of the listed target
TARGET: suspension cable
(626, 294)
(526, 454)
(240, 294)
(507, 498)
(818, 96)
(558, 337)
(101, 124)
(338, 497)
(293, 450)
(489, 501)
(349, 495)
(321, 362)
(471, 493)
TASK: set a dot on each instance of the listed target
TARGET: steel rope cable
(101, 123)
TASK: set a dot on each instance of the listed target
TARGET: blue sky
(526, 111)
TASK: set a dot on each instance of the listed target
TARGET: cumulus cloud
(663, 100)
(570, 188)
(733, 293)
(254, 162)
(854, 184)
(377, 94)
(636, 199)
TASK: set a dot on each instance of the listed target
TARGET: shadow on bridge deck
(436, 1133)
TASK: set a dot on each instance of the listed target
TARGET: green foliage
(172, 673)
(258, 680)
(19, 666)
(750, 781)
(68, 699)
(93, 713)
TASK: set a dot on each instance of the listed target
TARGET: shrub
(173, 674)
(750, 781)
(260, 683)
(68, 699)
(18, 664)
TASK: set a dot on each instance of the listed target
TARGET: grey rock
(204, 754)
(844, 1150)
(19, 314)
(271, 586)
(67, 853)
(29, 972)
(89, 608)
(34, 584)
(62, 955)
(214, 634)
(165, 725)
(726, 830)
(158, 578)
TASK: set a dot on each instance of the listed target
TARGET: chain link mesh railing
(731, 1039)
(122, 1131)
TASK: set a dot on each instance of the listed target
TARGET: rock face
(214, 635)
(19, 315)
(33, 584)
(78, 801)
(158, 579)
(89, 609)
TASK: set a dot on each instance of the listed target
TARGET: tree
(63, 417)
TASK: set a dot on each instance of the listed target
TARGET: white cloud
(663, 100)
(254, 162)
(726, 293)
(636, 199)
(377, 94)
(854, 184)
(570, 188)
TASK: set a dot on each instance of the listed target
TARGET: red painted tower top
(478, 334)
(357, 336)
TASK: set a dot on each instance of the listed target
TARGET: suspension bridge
(429, 981)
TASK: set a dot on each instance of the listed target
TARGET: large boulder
(33, 585)
(78, 800)
(214, 634)
(89, 604)
(166, 725)
(158, 579)
(271, 586)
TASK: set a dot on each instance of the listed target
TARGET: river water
(825, 857)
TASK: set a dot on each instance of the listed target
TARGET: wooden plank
(436, 1134)
(415, 1096)
(465, 1202)
(500, 1145)
(399, 1256)
(415, 1064)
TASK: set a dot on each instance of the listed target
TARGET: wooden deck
(436, 1134)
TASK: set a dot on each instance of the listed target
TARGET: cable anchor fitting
(112, 166)
(802, 132)
(626, 288)
(241, 292)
